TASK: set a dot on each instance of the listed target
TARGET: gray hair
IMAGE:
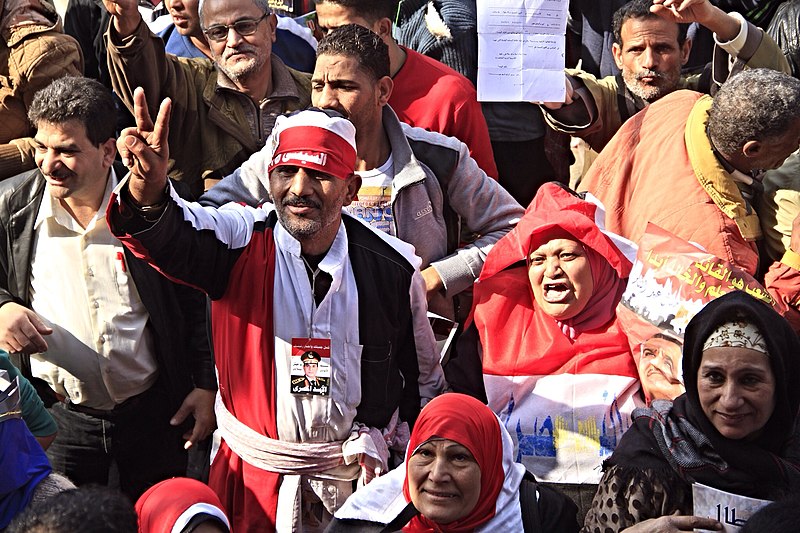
(755, 105)
(80, 99)
(263, 5)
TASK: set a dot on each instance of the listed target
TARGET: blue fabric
(294, 51)
(23, 464)
(179, 45)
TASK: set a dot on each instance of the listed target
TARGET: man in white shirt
(291, 277)
(121, 355)
(417, 185)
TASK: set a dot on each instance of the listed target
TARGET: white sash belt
(277, 456)
(291, 459)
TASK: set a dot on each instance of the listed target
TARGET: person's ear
(353, 185)
(385, 87)
(752, 149)
(272, 23)
(383, 27)
(686, 49)
(616, 51)
(109, 150)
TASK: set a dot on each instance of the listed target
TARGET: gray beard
(241, 72)
(647, 93)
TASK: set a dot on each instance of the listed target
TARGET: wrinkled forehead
(544, 236)
(653, 28)
(227, 11)
(443, 444)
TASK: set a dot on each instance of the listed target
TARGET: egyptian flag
(564, 389)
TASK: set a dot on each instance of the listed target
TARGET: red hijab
(555, 208)
(472, 424)
(164, 503)
(517, 337)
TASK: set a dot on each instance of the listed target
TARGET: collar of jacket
(283, 85)
(20, 33)
(406, 167)
(714, 179)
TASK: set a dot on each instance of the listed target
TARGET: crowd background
(225, 224)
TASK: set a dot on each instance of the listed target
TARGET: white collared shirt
(100, 352)
(314, 418)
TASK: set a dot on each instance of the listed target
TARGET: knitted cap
(314, 139)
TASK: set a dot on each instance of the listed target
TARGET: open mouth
(555, 292)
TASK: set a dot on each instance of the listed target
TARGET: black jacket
(177, 313)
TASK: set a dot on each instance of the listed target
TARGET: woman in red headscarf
(545, 349)
(459, 476)
(181, 505)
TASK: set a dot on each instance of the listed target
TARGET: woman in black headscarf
(731, 430)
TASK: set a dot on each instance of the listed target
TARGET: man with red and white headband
(287, 278)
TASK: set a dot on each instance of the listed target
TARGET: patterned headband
(737, 334)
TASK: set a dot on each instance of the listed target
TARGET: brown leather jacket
(214, 127)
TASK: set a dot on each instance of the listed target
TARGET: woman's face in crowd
(737, 390)
(561, 277)
(444, 480)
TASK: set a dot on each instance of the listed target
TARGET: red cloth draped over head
(511, 324)
(472, 424)
(164, 503)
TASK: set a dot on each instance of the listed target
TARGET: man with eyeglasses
(223, 111)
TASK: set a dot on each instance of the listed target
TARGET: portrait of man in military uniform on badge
(311, 381)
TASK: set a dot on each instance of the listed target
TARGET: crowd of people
(225, 237)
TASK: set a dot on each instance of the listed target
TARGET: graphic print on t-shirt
(374, 202)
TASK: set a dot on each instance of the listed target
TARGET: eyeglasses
(244, 27)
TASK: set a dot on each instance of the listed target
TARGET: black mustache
(301, 202)
(62, 175)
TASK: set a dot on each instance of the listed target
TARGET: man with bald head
(223, 111)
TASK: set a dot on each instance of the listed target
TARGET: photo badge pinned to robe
(311, 366)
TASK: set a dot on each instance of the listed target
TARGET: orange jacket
(660, 168)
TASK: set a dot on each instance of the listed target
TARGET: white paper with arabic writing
(732, 510)
(521, 50)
